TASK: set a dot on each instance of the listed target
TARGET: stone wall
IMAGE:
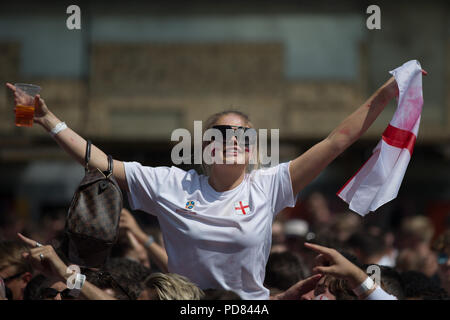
(144, 91)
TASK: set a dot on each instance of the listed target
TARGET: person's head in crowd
(318, 211)
(417, 260)
(418, 286)
(416, 233)
(43, 288)
(331, 288)
(390, 279)
(283, 270)
(15, 271)
(223, 121)
(220, 294)
(391, 282)
(340, 289)
(368, 249)
(129, 273)
(296, 232)
(385, 232)
(170, 286)
(344, 225)
(106, 281)
(442, 248)
(322, 290)
(128, 247)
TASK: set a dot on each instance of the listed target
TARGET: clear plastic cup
(25, 103)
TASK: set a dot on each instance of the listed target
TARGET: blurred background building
(137, 70)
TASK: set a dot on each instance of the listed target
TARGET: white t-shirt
(216, 239)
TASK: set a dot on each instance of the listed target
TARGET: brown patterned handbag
(93, 219)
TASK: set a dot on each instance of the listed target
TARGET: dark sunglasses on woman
(248, 133)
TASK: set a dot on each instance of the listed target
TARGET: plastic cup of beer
(25, 103)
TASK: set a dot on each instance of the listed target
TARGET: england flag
(379, 179)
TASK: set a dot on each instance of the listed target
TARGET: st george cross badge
(241, 207)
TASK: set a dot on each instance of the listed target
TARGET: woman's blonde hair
(171, 286)
(212, 120)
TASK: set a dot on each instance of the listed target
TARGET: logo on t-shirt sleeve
(241, 207)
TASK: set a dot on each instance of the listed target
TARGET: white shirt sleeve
(277, 186)
(144, 184)
(380, 294)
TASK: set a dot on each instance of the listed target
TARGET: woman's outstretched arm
(73, 143)
(307, 166)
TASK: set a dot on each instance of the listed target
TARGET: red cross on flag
(241, 207)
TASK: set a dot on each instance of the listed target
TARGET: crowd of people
(412, 261)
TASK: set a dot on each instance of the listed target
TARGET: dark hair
(341, 289)
(122, 245)
(419, 286)
(11, 255)
(391, 280)
(220, 294)
(104, 280)
(283, 270)
(130, 274)
(33, 289)
(368, 244)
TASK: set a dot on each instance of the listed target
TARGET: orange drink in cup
(25, 103)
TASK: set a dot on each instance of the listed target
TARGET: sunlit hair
(171, 286)
(11, 255)
(212, 120)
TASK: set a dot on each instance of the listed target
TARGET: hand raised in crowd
(157, 253)
(128, 222)
(300, 288)
(40, 108)
(139, 249)
(44, 259)
(331, 262)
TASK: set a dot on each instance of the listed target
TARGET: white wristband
(364, 287)
(79, 281)
(58, 128)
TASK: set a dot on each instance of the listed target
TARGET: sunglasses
(228, 132)
(51, 293)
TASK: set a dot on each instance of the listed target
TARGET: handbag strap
(109, 172)
(87, 157)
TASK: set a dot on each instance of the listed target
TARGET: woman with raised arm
(217, 227)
